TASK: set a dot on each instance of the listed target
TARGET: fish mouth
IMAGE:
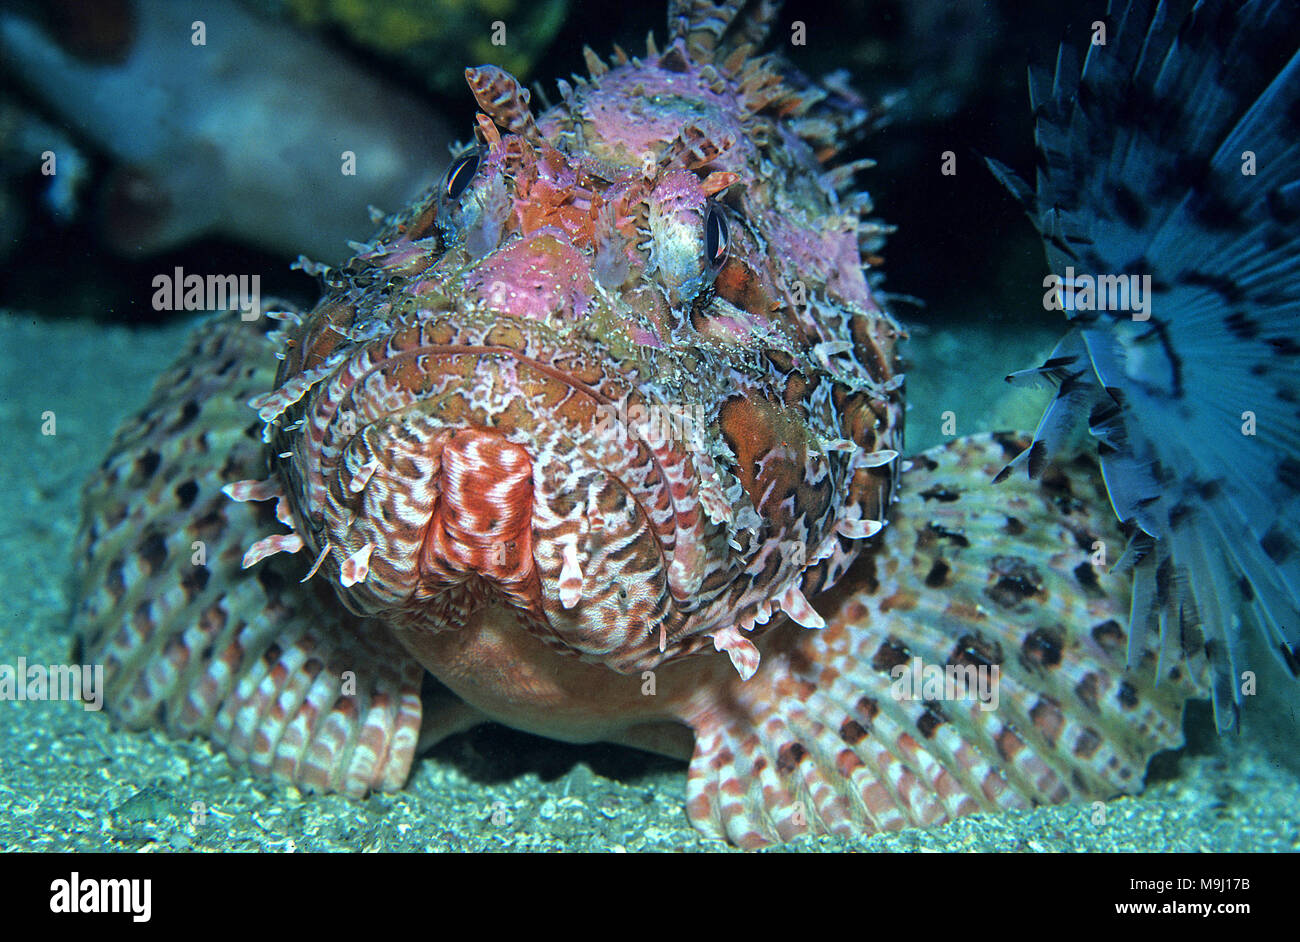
(481, 525)
(436, 470)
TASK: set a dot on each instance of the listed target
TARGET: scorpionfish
(604, 434)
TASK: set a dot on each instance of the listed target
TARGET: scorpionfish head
(620, 370)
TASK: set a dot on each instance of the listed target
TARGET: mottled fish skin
(432, 481)
(1157, 164)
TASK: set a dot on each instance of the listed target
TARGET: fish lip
(481, 526)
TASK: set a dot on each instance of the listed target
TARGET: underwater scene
(476, 425)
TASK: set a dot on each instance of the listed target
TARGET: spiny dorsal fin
(701, 24)
(754, 26)
(503, 100)
(595, 65)
(718, 31)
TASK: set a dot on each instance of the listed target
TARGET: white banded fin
(356, 567)
(283, 513)
(308, 267)
(840, 444)
(269, 546)
(284, 314)
(243, 491)
(875, 459)
(320, 558)
(570, 577)
(363, 475)
(272, 405)
(857, 529)
(794, 604)
(744, 656)
(829, 348)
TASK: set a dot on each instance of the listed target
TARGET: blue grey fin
(1174, 153)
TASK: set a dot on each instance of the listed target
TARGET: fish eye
(715, 236)
(460, 174)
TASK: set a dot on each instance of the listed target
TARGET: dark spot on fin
(1110, 635)
(889, 655)
(852, 732)
(1130, 207)
(938, 574)
(153, 551)
(930, 720)
(186, 494)
(148, 463)
(941, 493)
(1016, 581)
(973, 650)
(1277, 545)
(789, 757)
(1043, 647)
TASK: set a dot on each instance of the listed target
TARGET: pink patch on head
(536, 278)
(729, 326)
(679, 188)
(831, 256)
(631, 112)
(645, 338)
